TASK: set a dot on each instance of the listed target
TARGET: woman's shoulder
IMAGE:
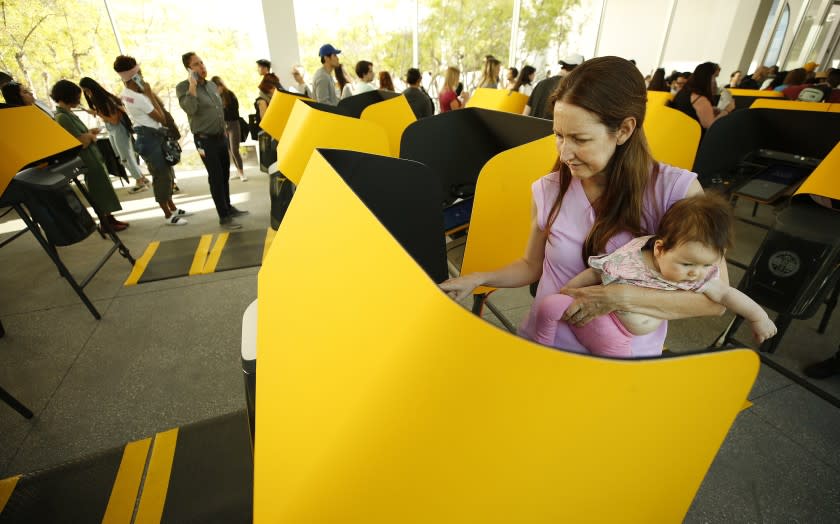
(668, 176)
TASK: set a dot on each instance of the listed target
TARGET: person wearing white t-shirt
(146, 111)
(364, 73)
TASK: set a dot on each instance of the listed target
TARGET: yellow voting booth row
(404, 407)
(794, 105)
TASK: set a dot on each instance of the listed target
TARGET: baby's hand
(762, 329)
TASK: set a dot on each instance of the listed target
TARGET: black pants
(217, 162)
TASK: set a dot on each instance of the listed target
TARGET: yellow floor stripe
(124, 493)
(141, 263)
(215, 254)
(156, 484)
(269, 238)
(747, 405)
(7, 486)
(200, 257)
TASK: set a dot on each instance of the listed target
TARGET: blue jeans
(149, 144)
(121, 142)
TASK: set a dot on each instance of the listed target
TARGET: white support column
(415, 48)
(281, 30)
(664, 45)
(514, 34)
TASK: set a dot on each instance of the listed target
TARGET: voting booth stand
(788, 159)
(42, 197)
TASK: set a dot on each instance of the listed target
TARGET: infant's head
(693, 236)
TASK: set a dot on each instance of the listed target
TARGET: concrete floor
(167, 353)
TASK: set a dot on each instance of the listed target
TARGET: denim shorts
(149, 143)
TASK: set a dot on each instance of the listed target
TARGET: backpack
(812, 94)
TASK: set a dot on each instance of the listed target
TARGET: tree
(545, 24)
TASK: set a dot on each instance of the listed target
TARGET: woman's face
(583, 142)
(532, 76)
(27, 96)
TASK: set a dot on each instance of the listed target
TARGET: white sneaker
(181, 213)
(244, 177)
(175, 220)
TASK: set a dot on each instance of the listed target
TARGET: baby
(693, 237)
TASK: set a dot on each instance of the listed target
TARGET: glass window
(806, 34)
(775, 48)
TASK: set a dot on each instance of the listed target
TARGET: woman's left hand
(589, 302)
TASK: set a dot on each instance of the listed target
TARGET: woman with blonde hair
(449, 98)
(490, 73)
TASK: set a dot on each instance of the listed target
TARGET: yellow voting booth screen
(825, 180)
(394, 115)
(498, 100)
(309, 128)
(380, 400)
(672, 135)
(278, 112)
(502, 206)
(44, 138)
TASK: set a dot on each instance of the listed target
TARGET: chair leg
(830, 304)
(53, 254)
(478, 303)
(15, 404)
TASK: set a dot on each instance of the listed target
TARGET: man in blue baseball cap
(322, 81)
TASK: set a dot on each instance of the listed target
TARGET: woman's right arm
(524, 271)
(706, 113)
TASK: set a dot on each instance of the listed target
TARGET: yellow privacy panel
(766, 103)
(498, 99)
(394, 115)
(278, 112)
(661, 98)
(35, 136)
(397, 405)
(309, 128)
(502, 206)
(834, 108)
(756, 92)
(825, 180)
(672, 135)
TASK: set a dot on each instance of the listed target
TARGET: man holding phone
(200, 100)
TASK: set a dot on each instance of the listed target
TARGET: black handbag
(243, 130)
(171, 149)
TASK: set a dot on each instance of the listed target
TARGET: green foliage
(456, 33)
(42, 41)
(545, 24)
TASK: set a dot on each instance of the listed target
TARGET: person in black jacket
(230, 107)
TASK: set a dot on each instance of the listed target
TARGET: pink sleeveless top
(563, 258)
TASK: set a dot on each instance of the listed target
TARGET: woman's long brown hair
(613, 89)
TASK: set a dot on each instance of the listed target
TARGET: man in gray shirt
(198, 98)
(417, 98)
(322, 82)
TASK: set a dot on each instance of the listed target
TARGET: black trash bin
(52, 203)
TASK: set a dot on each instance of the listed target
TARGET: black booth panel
(455, 144)
(405, 197)
(354, 105)
(808, 133)
(513, 130)
(726, 142)
(325, 107)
